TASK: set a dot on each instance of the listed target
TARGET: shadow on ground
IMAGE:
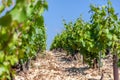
(76, 71)
(65, 59)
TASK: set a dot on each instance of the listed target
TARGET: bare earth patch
(56, 66)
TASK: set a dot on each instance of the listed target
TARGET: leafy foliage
(22, 33)
(93, 37)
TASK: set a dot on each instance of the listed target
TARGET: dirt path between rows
(56, 66)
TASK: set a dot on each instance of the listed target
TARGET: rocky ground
(56, 66)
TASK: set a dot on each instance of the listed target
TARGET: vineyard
(94, 38)
(22, 35)
(84, 50)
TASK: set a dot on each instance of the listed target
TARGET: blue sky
(69, 10)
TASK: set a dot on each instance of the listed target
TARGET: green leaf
(14, 60)
(109, 43)
(46, 5)
(1, 56)
(2, 70)
(115, 38)
(21, 17)
(41, 11)
(2, 7)
(106, 31)
(109, 36)
(6, 20)
(109, 2)
(30, 9)
(115, 17)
